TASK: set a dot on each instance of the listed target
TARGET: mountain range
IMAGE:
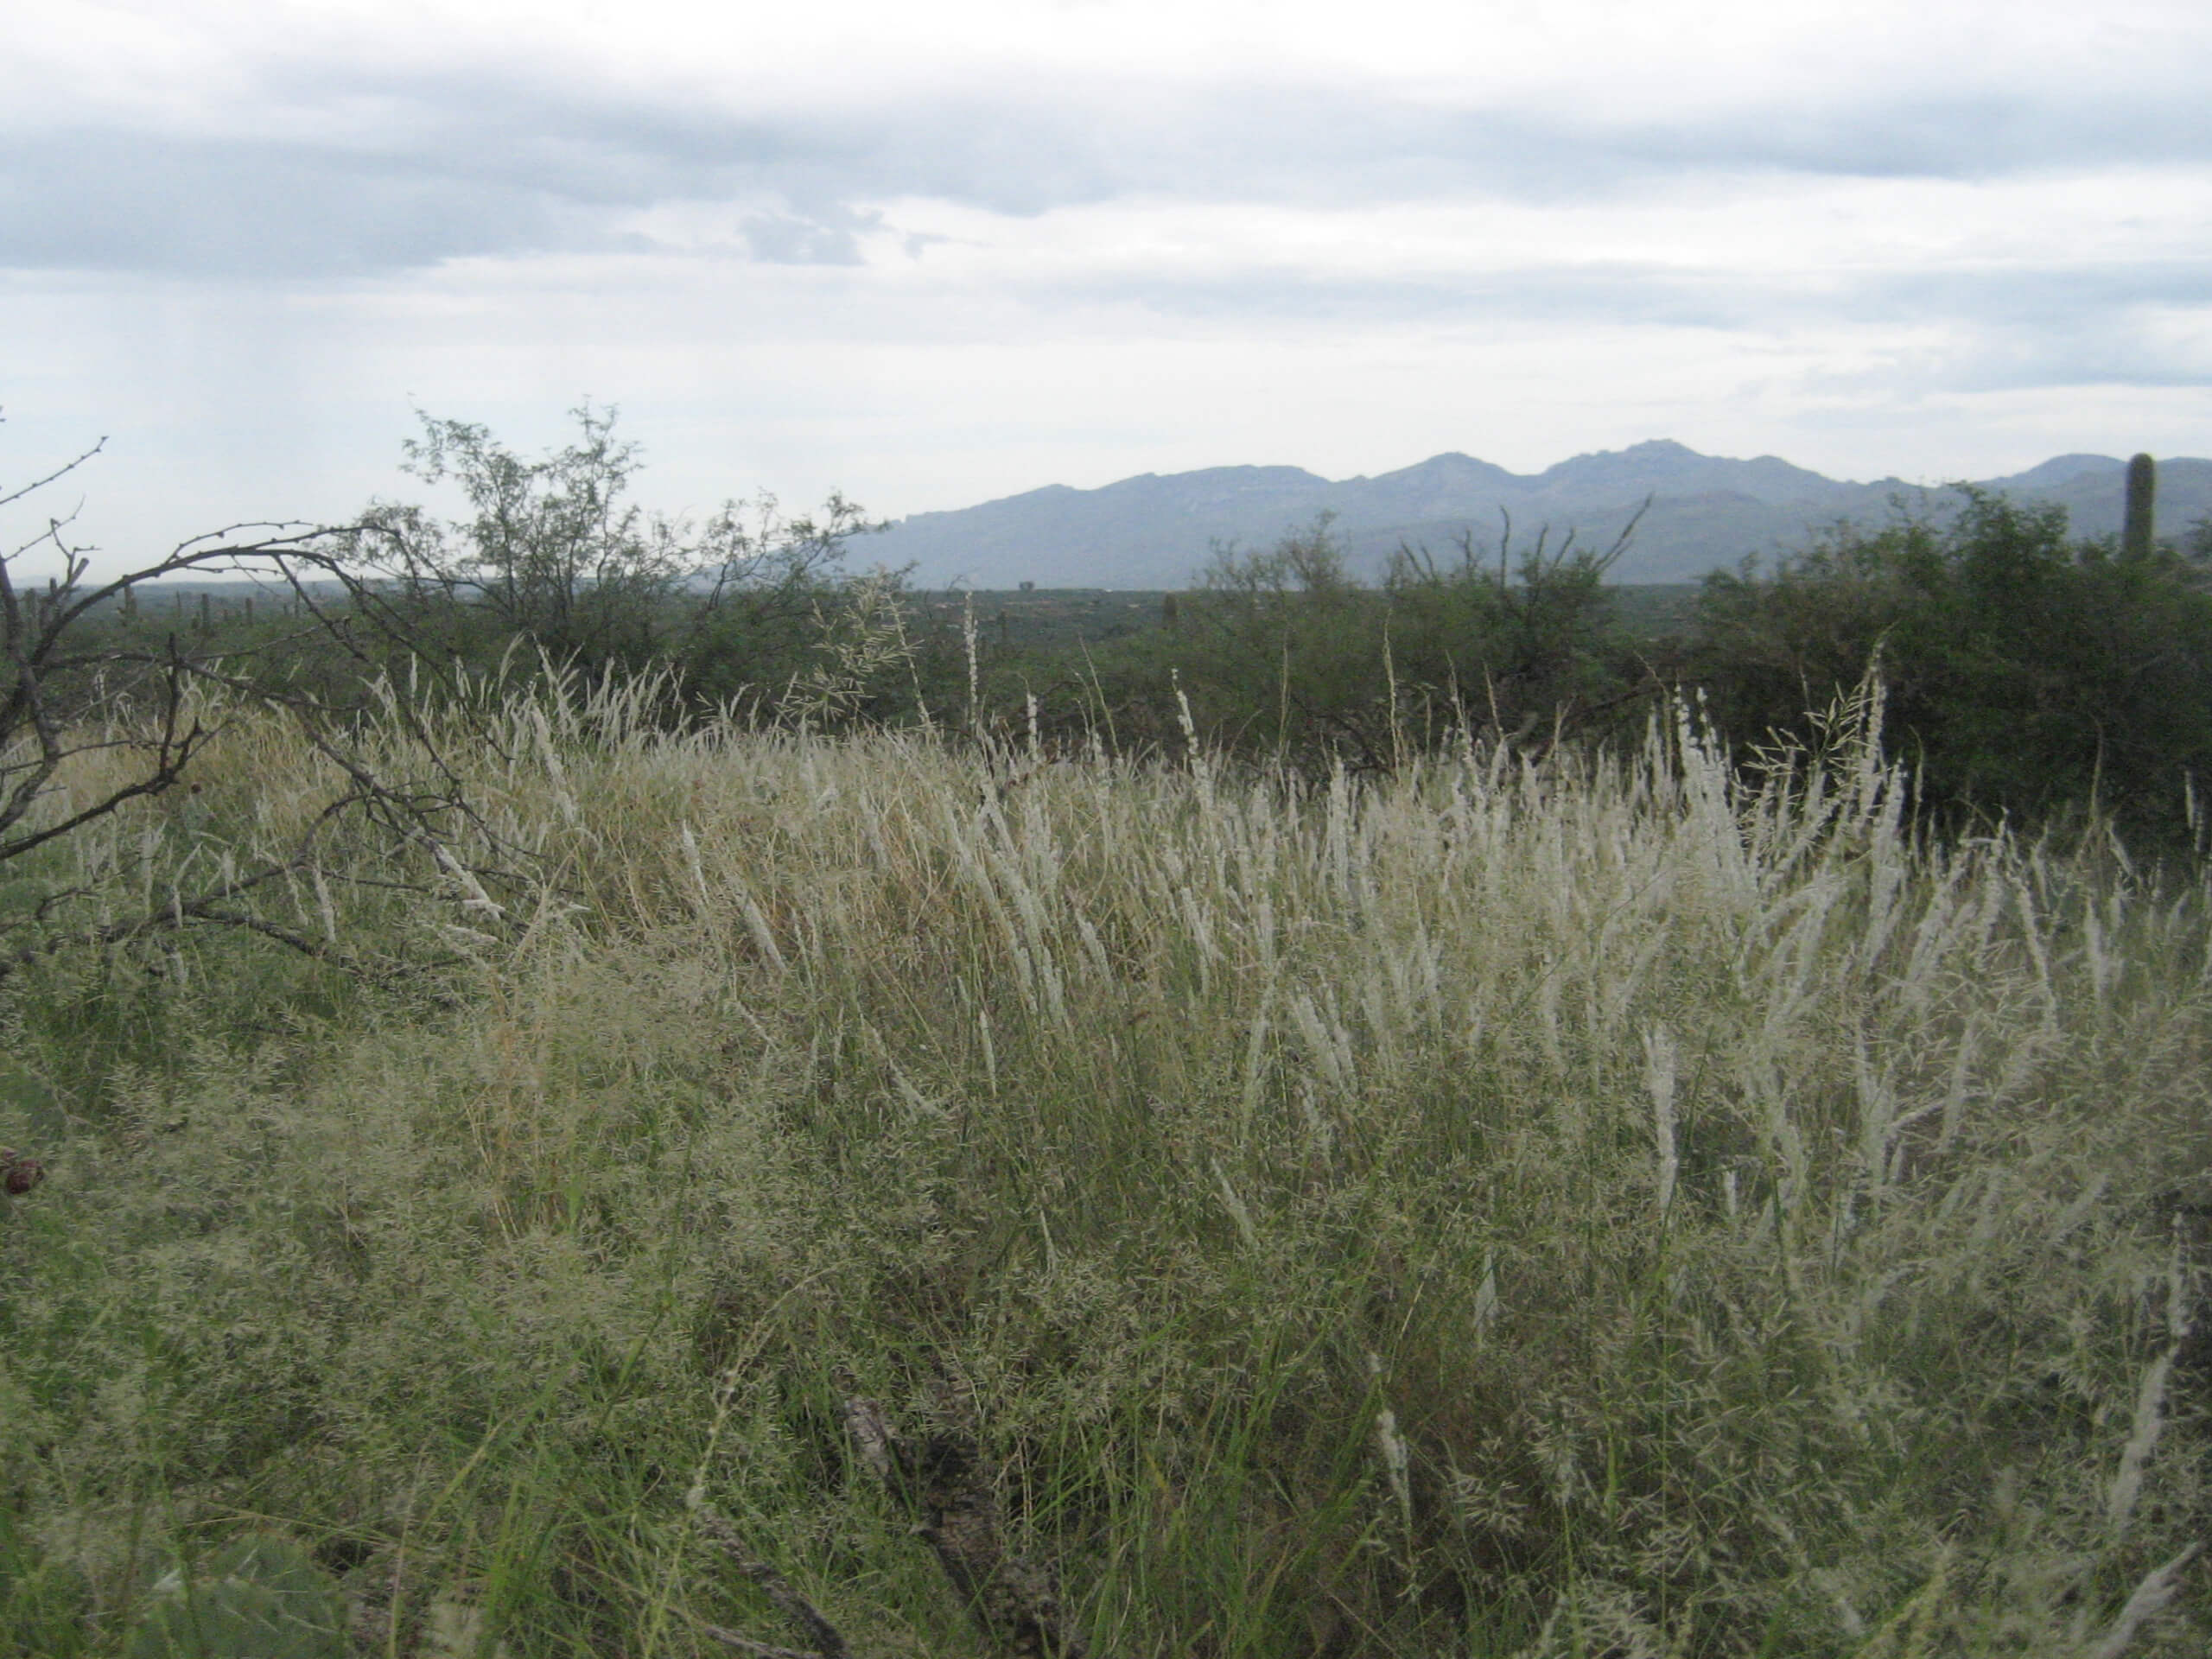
(1707, 512)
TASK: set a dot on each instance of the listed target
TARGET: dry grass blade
(2158, 1587)
(1757, 1211)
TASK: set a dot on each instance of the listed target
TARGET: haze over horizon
(936, 259)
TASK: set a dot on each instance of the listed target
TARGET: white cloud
(935, 254)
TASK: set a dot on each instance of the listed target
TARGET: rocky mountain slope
(1707, 512)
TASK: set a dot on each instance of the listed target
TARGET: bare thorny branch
(61, 674)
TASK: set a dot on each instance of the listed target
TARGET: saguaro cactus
(2136, 534)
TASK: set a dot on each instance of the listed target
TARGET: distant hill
(1707, 512)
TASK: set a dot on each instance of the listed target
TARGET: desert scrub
(1596, 1207)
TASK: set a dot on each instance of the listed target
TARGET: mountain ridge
(1157, 529)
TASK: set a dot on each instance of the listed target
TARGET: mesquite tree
(553, 552)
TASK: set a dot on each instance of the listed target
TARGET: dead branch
(944, 1479)
(56, 670)
(829, 1643)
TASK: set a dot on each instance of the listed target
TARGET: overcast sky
(934, 254)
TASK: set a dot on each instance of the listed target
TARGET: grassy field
(1606, 1209)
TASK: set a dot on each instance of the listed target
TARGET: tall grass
(1601, 1208)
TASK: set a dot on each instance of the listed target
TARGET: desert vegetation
(882, 1166)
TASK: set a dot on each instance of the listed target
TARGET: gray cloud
(444, 166)
(1618, 291)
(118, 201)
(2008, 329)
(2053, 299)
(2056, 296)
(797, 239)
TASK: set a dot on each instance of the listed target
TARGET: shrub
(2028, 674)
(1285, 652)
(554, 554)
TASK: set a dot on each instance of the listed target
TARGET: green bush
(555, 555)
(2028, 673)
(1282, 651)
(1285, 653)
(1531, 640)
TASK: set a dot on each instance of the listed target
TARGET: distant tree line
(2031, 675)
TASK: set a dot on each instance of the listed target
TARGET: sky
(929, 256)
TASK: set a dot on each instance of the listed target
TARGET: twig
(872, 1438)
(946, 1480)
(179, 911)
(829, 1643)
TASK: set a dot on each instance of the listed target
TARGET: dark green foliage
(262, 1597)
(2027, 674)
(554, 554)
(41, 1600)
(1526, 642)
(1283, 652)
